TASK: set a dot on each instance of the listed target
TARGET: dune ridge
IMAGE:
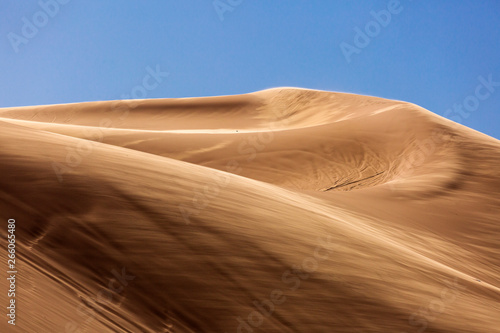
(284, 210)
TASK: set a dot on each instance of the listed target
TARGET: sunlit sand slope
(285, 210)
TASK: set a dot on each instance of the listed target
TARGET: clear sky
(440, 54)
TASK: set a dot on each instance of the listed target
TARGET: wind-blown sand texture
(284, 210)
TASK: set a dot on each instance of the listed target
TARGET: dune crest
(283, 210)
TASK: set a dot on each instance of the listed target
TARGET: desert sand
(283, 210)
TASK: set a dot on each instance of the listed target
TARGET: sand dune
(284, 210)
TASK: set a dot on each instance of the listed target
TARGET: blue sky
(431, 53)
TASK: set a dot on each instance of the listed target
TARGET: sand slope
(285, 210)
